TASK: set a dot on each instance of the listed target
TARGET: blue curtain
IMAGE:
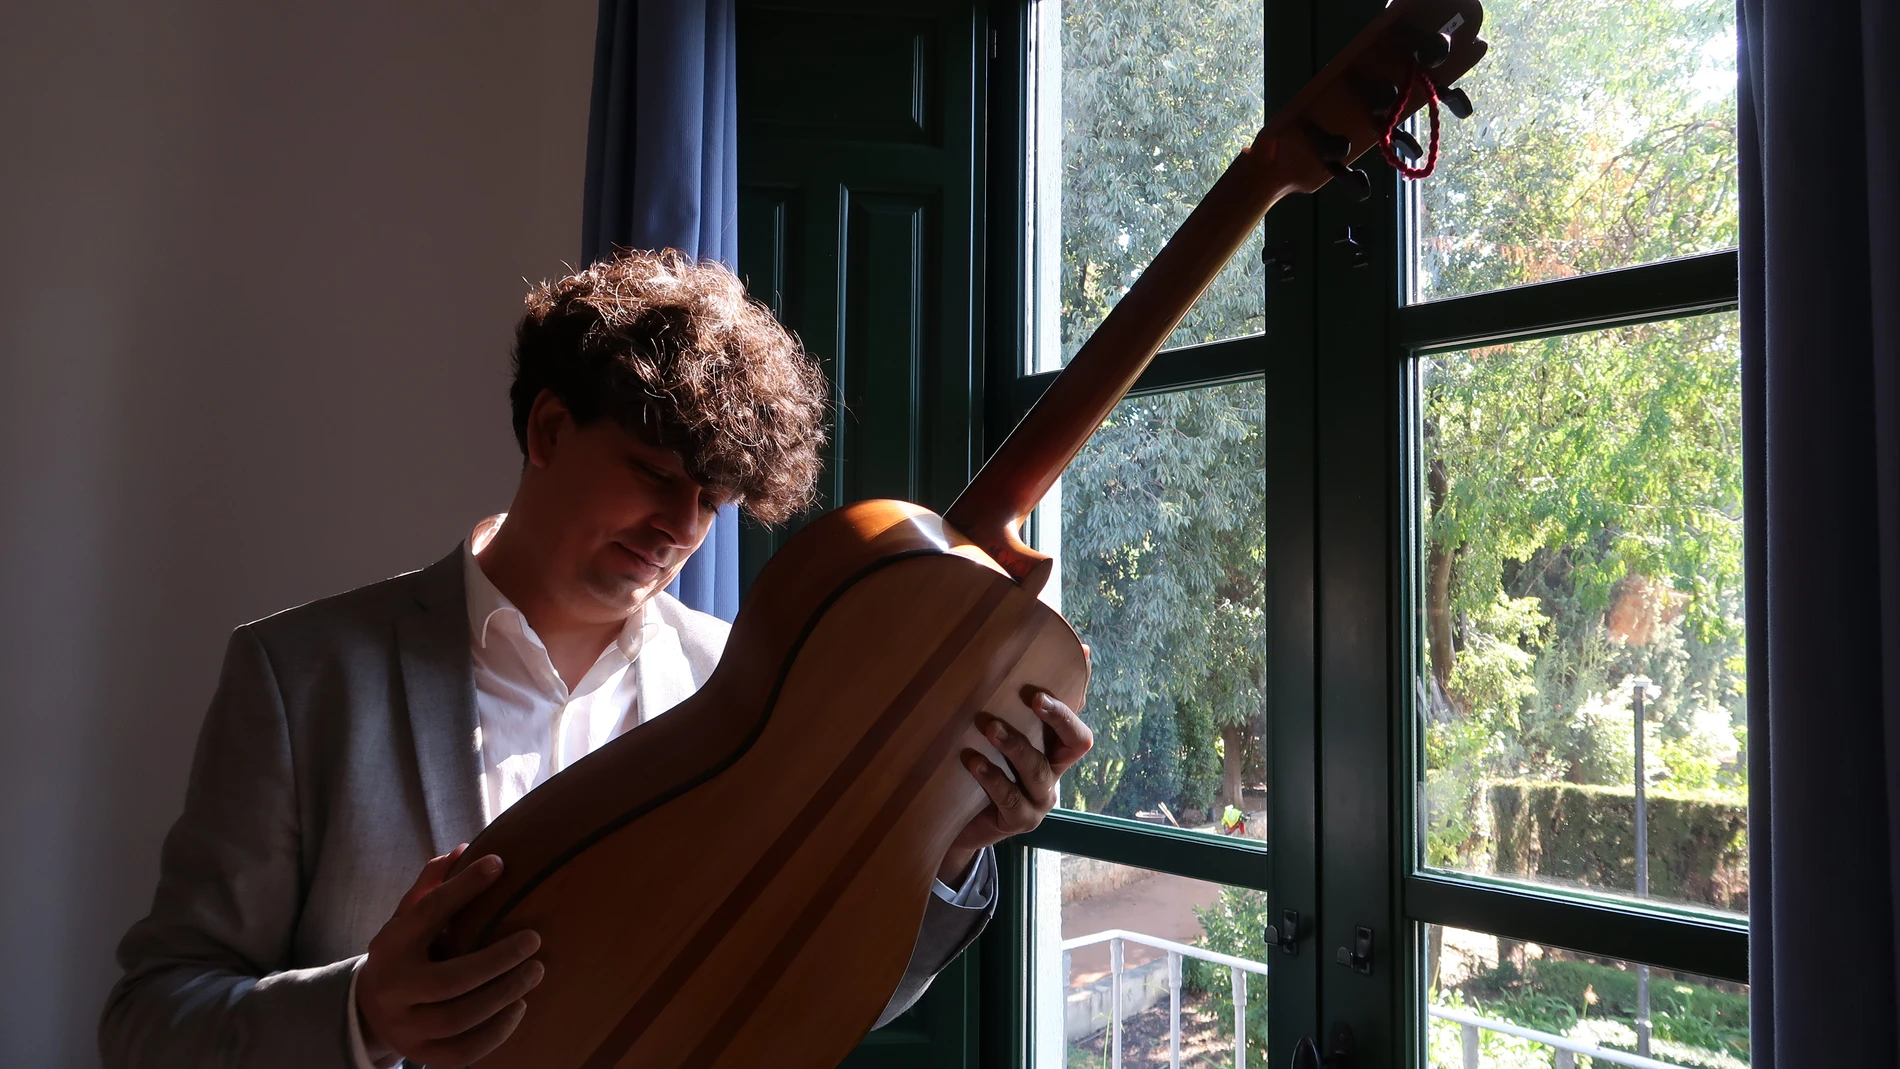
(1820, 297)
(662, 172)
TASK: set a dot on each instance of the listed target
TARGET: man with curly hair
(358, 739)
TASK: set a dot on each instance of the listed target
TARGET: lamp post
(1641, 692)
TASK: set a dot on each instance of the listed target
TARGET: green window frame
(1339, 358)
(1282, 356)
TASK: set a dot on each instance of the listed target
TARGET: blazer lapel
(438, 680)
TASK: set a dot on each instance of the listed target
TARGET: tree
(1581, 495)
(1164, 511)
(1164, 546)
(1157, 99)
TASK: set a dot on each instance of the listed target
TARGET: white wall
(258, 266)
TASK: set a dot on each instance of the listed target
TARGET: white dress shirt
(530, 724)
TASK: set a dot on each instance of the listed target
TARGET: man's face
(617, 515)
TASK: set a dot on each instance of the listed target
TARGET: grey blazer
(337, 757)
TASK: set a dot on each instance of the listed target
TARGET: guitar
(850, 685)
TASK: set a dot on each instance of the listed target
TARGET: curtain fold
(1820, 284)
(662, 172)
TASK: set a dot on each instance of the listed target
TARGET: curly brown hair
(671, 348)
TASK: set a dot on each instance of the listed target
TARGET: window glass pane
(1138, 107)
(1604, 136)
(1178, 940)
(1158, 527)
(1503, 1004)
(1581, 574)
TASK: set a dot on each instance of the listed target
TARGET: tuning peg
(1430, 48)
(1327, 146)
(1356, 183)
(1406, 146)
(1455, 101)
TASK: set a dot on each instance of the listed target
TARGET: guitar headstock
(1346, 109)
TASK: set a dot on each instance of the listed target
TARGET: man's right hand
(442, 1012)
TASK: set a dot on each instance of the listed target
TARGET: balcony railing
(1470, 1024)
(1116, 938)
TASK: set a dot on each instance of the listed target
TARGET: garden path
(1161, 905)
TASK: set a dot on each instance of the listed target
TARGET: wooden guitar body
(815, 784)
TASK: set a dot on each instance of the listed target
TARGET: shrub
(1698, 847)
(1200, 761)
(1702, 1025)
(1154, 769)
(1235, 924)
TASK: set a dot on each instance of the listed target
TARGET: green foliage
(1454, 750)
(1582, 494)
(1163, 526)
(1154, 768)
(1605, 136)
(1163, 550)
(1495, 670)
(1157, 99)
(1200, 759)
(1236, 925)
(1576, 463)
(1698, 847)
(1444, 1044)
(1589, 497)
(1691, 1023)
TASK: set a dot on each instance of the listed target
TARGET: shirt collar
(486, 601)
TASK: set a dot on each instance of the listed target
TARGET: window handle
(1357, 957)
(1341, 1051)
(1279, 257)
(1286, 934)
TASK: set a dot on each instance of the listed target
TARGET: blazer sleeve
(947, 931)
(202, 984)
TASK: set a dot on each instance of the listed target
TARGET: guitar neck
(991, 510)
(1314, 137)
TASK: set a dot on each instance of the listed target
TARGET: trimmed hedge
(1586, 834)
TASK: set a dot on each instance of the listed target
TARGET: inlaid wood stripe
(661, 991)
(800, 931)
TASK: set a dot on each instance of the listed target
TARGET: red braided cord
(1392, 123)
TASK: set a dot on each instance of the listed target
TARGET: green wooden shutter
(860, 178)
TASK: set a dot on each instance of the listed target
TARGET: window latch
(1358, 957)
(1278, 257)
(1286, 934)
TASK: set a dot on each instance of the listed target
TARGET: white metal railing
(1116, 937)
(1470, 1024)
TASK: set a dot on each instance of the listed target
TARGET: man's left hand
(1019, 806)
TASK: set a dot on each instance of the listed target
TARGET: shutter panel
(860, 215)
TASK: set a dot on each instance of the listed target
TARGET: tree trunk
(1434, 951)
(1438, 561)
(1233, 755)
(1438, 614)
